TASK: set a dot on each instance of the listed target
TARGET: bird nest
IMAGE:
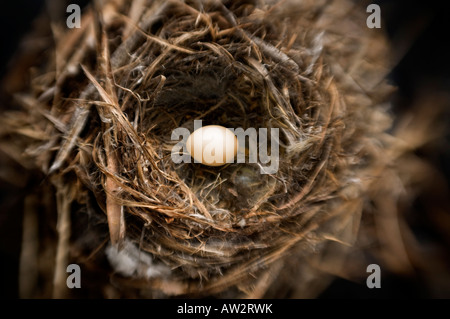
(98, 115)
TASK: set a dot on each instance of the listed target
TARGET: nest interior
(97, 119)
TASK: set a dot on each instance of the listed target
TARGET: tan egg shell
(207, 143)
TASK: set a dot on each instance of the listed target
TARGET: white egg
(212, 145)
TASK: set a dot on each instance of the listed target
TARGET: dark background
(422, 26)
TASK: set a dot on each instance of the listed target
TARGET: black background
(427, 61)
